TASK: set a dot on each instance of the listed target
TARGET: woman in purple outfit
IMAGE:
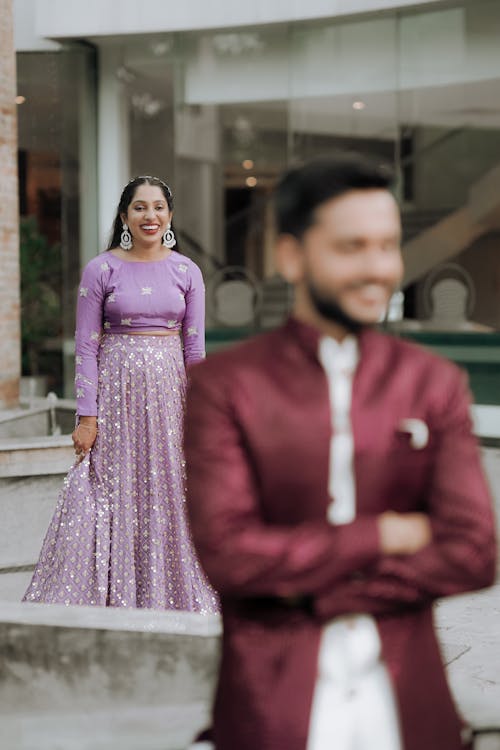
(119, 536)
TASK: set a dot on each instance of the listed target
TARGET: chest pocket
(394, 468)
(411, 452)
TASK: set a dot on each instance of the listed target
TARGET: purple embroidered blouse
(119, 296)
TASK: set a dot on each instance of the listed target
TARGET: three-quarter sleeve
(193, 325)
(89, 321)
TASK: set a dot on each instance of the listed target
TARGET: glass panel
(250, 102)
(343, 89)
(54, 128)
(232, 142)
(449, 88)
(221, 114)
(147, 77)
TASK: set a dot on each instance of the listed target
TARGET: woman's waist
(148, 332)
(157, 325)
(137, 342)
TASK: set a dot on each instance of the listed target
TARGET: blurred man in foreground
(335, 491)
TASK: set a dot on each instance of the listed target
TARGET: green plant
(41, 284)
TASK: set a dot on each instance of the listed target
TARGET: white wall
(428, 49)
(26, 38)
(70, 18)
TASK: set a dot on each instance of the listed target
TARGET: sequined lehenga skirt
(119, 536)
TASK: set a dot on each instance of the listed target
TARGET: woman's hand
(84, 436)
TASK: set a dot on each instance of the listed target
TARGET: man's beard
(329, 308)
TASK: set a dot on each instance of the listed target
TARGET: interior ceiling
(471, 105)
(468, 105)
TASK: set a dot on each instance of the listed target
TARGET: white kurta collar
(339, 356)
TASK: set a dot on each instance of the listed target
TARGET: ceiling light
(251, 181)
(358, 105)
(20, 99)
(247, 164)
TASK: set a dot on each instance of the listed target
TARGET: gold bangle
(87, 426)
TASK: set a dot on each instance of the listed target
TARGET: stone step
(38, 417)
(14, 584)
(467, 629)
(26, 507)
(134, 728)
(35, 456)
(84, 678)
(87, 678)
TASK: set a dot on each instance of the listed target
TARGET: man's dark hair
(302, 189)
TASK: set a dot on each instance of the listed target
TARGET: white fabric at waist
(350, 648)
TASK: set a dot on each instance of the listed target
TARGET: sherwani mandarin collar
(370, 368)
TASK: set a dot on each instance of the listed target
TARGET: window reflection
(221, 114)
(50, 153)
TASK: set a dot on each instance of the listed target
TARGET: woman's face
(148, 215)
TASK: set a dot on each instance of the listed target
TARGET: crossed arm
(374, 564)
(461, 554)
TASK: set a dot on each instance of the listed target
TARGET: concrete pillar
(9, 217)
(198, 178)
(87, 145)
(113, 143)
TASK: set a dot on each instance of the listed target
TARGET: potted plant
(41, 322)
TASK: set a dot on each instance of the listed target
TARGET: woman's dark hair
(302, 189)
(126, 199)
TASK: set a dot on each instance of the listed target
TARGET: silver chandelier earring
(169, 238)
(126, 238)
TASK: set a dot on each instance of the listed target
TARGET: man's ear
(289, 258)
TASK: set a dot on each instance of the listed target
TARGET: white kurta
(353, 704)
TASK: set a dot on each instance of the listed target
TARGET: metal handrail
(410, 158)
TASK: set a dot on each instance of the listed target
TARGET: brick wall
(9, 216)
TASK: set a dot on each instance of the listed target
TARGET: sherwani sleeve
(462, 554)
(242, 554)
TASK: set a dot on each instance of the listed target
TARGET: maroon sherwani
(257, 443)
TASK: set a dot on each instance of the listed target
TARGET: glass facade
(221, 114)
(54, 134)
